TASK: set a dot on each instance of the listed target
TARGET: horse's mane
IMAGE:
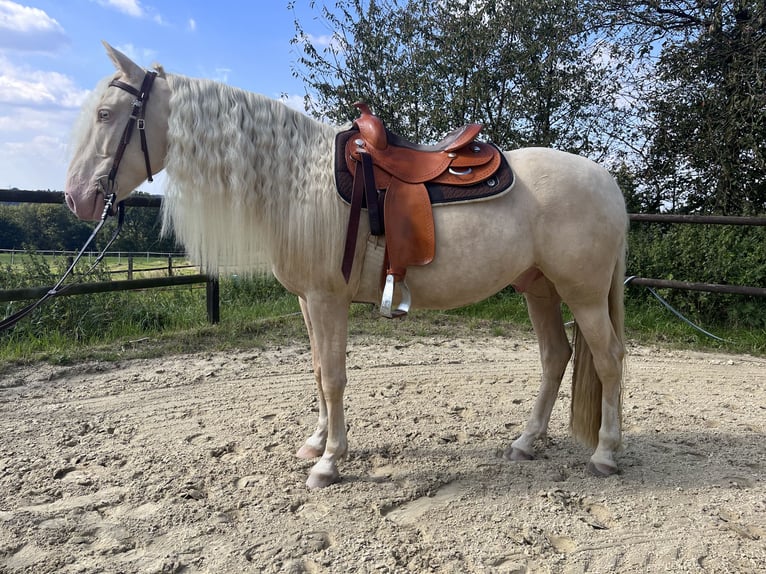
(250, 181)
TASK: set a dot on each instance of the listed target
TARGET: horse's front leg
(315, 444)
(326, 318)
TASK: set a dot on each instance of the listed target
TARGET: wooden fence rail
(212, 288)
(23, 196)
(689, 286)
(703, 220)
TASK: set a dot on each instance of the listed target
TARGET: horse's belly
(474, 258)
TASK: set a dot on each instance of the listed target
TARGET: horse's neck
(245, 137)
(258, 187)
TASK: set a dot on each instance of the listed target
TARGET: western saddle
(390, 175)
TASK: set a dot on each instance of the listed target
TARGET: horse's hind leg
(544, 306)
(607, 351)
(315, 444)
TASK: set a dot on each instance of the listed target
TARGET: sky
(51, 56)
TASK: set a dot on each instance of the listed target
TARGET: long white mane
(250, 181)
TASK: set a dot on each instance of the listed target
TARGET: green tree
(12, 234)
(46, 226)
(705, 96)
(531, 72)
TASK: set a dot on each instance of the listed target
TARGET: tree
(12, 235)
(531, 72)
(706, 100)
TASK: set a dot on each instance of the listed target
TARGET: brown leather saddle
(397, 181)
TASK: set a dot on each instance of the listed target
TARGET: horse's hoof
(601, 469)
(517, 455)
(308, 452)
(323, 474)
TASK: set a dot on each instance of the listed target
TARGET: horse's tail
(585, 415)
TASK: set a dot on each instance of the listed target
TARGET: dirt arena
(186, 464)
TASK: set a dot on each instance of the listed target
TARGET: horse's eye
(103, 115)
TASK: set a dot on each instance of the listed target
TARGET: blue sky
(51, 56)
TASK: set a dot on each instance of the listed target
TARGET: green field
(112, 264)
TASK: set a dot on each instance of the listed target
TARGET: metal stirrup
(388, 299)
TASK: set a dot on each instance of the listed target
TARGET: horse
(250, 187)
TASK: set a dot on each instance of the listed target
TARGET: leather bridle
(136, 121)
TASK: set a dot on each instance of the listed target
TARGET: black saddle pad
(500, 182)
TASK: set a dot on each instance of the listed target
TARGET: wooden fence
(213, 304)
(212, 287)
(698, 219)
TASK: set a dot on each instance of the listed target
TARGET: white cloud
(293, 101)
(33, 148)
(38, 88)
(37, 109)
(133, 8)
(129, 7)
(38, 163)
(333, 42)
(28, 29)
(222, 75)
(322, 40)
(141, 56)
(191, 25)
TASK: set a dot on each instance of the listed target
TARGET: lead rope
(677, 313)
(57, 289)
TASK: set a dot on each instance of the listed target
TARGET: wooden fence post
(213, 289)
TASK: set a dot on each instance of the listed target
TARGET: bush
(729, 255)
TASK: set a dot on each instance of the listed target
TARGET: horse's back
(555, 177)
(564, 215)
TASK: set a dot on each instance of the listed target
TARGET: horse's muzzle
(87, 206)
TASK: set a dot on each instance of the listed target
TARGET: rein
(57, 289)
(136, 121)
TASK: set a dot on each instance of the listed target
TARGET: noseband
(136, 120)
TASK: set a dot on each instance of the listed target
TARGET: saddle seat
(390, 175)
(373, 131)
(456, 160)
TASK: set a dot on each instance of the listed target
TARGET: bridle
(135, 121)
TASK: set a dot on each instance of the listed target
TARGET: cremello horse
(250, 182)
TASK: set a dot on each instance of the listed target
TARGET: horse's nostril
(70, 202)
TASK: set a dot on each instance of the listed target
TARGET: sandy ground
(186, 464)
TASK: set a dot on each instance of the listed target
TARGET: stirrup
(388, 299)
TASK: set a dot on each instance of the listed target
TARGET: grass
(260, 313)
(116, 266)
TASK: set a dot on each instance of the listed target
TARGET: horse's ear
(123, 63)
(159, 69)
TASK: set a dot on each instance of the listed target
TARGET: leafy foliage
(52, 227)
(702, 100)
(528, 71)
(727, 255)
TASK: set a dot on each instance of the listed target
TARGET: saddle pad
(438, 193)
